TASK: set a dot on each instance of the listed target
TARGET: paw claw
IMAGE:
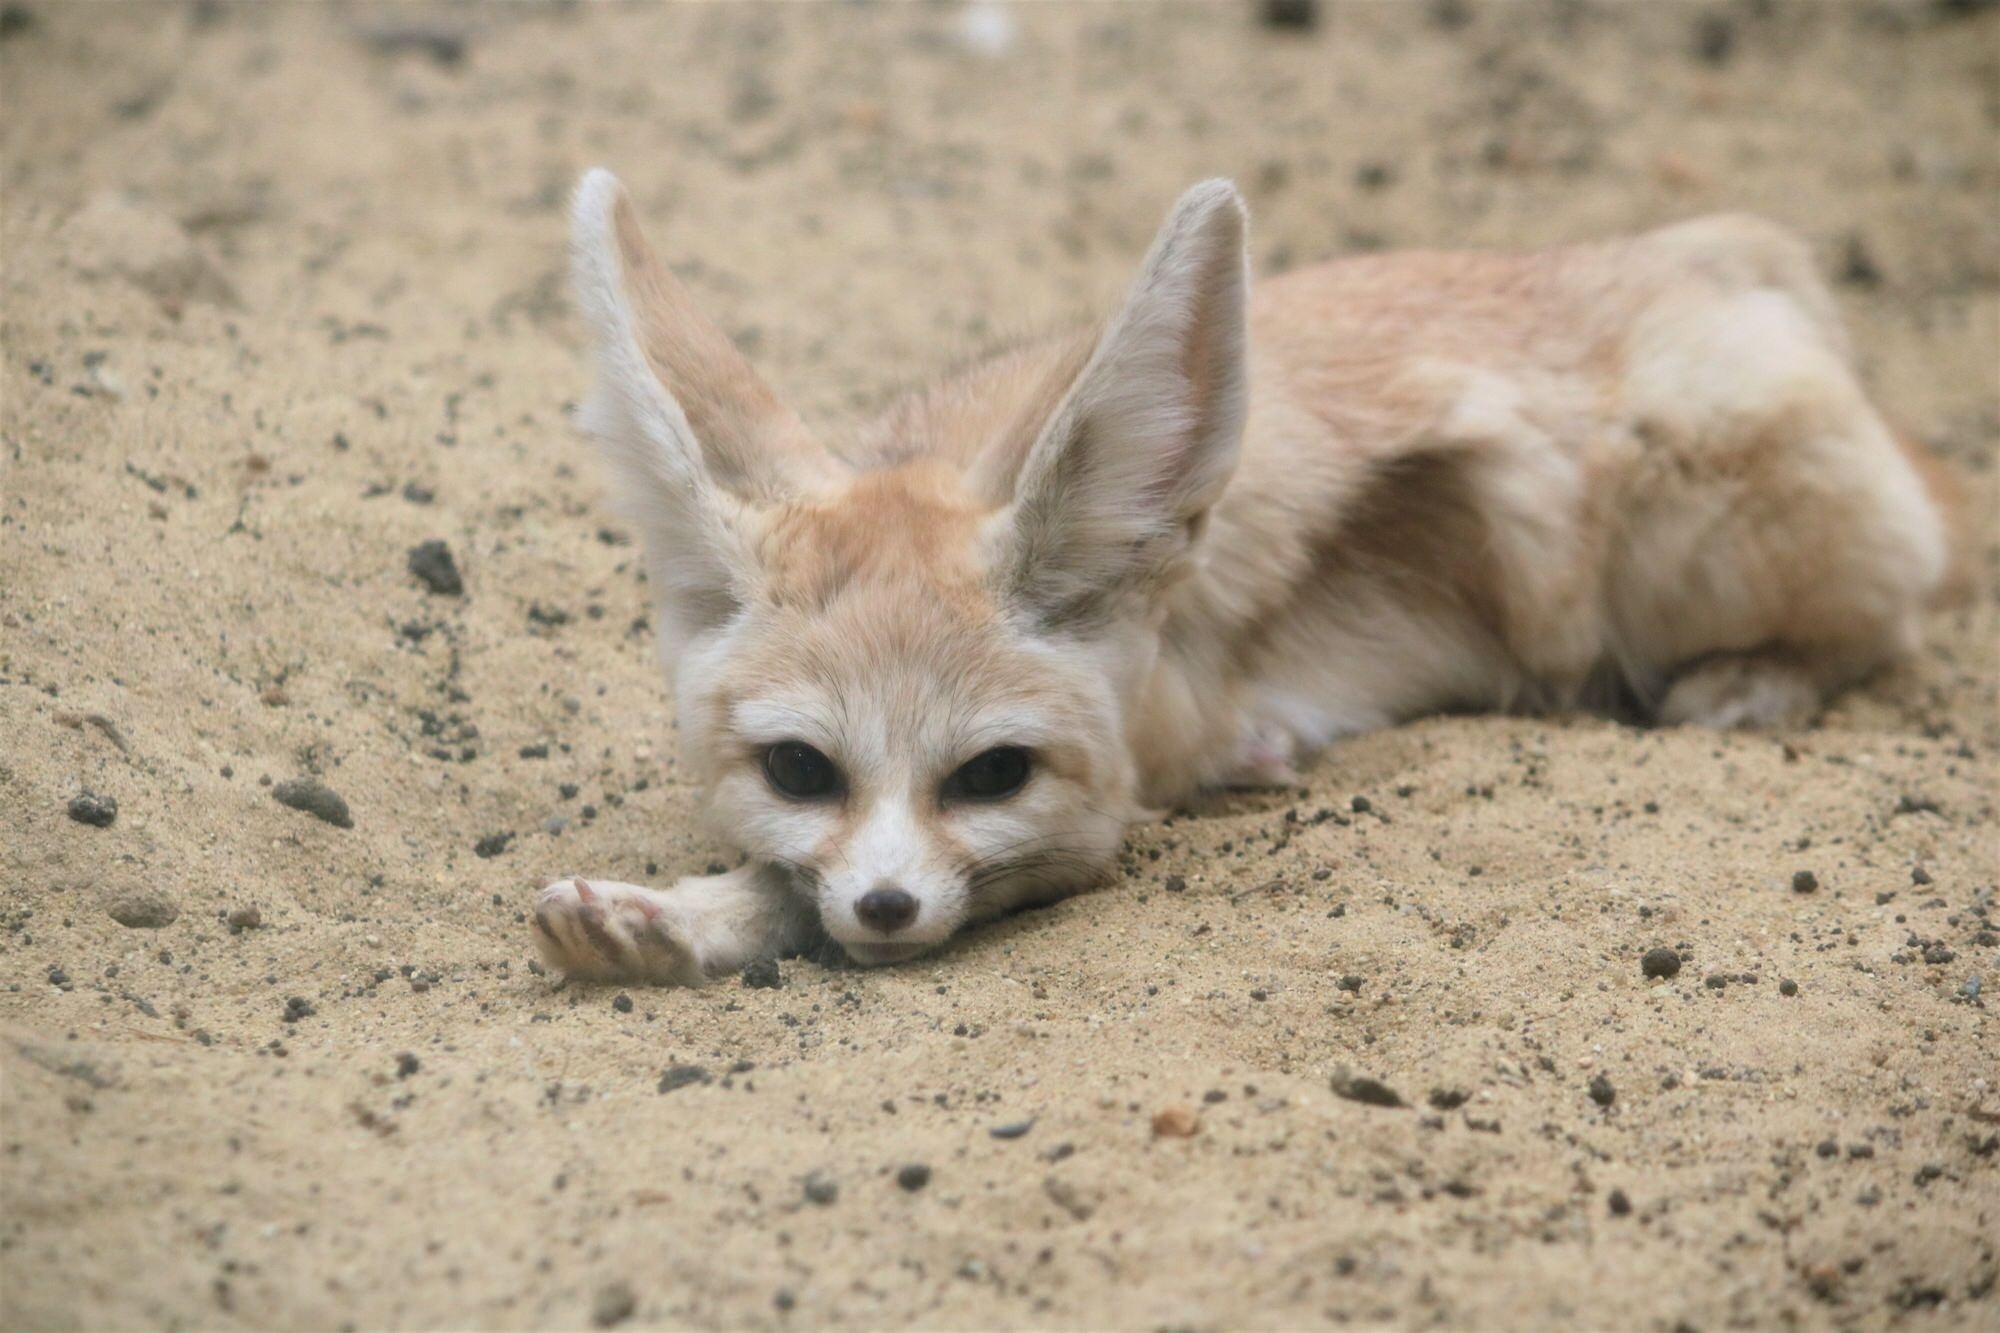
(610, 932)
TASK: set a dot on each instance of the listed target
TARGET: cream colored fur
(1193, 547)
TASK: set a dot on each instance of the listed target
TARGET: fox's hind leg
(705, 925)
(1775, 542)
(1742, 690)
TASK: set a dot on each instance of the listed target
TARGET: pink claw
(649, 908)
(583, 893)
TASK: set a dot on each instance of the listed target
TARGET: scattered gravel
(247, 917)
(1365, 1089)
(913, 1176)
(763, 975)
(87, 807)
(1289, 15)
(1714, 38)
(431, 562)
(1602, 1092)
(143, 909)
(681, 1076)
(820, 1190)
(1858, 266)
(1805, 881)
(613, 1304)
(316, 799)
(1661, 962)
(1068, 1197)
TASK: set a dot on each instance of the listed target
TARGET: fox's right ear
(696, 441)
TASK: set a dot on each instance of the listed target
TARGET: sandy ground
(328, 325)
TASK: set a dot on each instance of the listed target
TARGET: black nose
(886, 909)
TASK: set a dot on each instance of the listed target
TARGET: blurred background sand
(283, 298)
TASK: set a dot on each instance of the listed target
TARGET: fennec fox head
(909, 682)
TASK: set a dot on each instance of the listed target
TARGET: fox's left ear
(1116, 486)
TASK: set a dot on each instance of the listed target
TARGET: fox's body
(1194, 547)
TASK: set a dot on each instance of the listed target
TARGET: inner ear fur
(1116, 486)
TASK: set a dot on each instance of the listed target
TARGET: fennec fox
(928, 673)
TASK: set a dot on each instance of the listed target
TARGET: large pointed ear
(1116, 486)
(696, 441)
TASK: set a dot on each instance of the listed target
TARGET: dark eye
(990, 776)
(800, 772)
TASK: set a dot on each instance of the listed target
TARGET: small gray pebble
(681, 1076)
(431, 562)
(87, 807)
(143, 909)
(613, 1304)
(316, 799)
(1661, 962)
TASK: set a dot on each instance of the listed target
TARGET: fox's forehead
(891, 659)
(892, 676)
(913, 527)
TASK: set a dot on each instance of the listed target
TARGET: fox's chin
(881, 953)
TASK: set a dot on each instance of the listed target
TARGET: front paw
(607, 931)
